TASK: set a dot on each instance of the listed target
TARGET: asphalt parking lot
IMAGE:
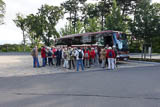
(133, 84)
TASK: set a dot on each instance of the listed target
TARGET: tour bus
(98, 39)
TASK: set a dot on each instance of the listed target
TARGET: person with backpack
(111, 56)
(79, 58)
(34, 54)
(50, 61)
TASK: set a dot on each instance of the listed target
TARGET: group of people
(73, 57)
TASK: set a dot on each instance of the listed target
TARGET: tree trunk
(131, 41)
(102, 23)
(123, 11)
(75, 20)
(142, 52)
(151, 51)
(70, 21)
(102, 20)
(145, 51)
(48, 41)
(24, 42)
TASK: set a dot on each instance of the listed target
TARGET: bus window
(125, 42)
(100, 40)
(86, 39)
(120, 40)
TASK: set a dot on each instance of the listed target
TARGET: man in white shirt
(79, 58)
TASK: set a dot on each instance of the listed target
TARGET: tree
(127, 6)
(114, 21)
(73, 7)
(104, 9)
(34, 29)
(146, 22)
(89, 11)
(93, 25)
(20, 22)
(41, 26)
(68, 29)
(2, 11)
(49, 17)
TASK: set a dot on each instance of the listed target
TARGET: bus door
(108, 40)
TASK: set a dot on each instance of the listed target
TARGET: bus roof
(86, 34)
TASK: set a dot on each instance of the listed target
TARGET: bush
(134, 48)
(13, 48)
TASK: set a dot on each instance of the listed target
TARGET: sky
(11, 34)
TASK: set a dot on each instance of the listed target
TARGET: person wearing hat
(111, 56)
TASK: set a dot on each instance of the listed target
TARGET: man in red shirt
(43, 55)
(111, 56)
(53, 55)
(86, 57)
(93, 54)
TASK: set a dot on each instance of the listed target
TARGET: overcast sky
(9, 33)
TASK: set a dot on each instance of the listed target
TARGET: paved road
(130, 87)
(136, 84)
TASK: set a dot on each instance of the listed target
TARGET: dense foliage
(40, 27)
(140, 18)
(2, 11)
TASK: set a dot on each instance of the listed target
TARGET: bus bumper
(123, 57)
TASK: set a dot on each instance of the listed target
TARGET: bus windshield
(120, 40)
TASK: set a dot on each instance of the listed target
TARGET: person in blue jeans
(35, 62)
(79, 58)
(34, 54)
(58, 55)
(43, 55)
